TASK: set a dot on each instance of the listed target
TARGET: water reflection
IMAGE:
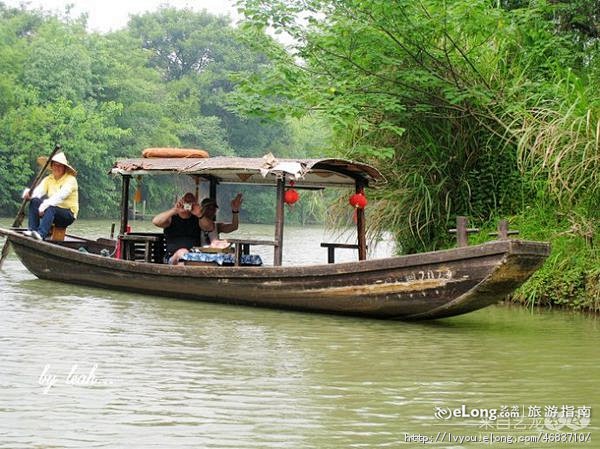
(178, 374)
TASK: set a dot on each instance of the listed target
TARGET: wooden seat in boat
(57, 233)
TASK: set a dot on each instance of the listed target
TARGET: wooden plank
(331, 247)
(339, 245)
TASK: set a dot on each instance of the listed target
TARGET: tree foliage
(162, 81)
(484, 108)
(469, 107)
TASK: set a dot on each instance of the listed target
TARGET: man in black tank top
(181, 227)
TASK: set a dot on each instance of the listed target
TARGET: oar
(21, 213)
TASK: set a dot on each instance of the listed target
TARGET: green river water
(90, 368)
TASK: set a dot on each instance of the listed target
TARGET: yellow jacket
(63, 192)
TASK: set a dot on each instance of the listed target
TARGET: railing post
(503, 229)
(461, 232)
(503, 232)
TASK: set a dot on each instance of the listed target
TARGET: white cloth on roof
(292, 168)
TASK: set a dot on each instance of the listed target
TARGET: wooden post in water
(279, 220)
(360, 225)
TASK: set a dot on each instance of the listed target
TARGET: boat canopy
(315, 173)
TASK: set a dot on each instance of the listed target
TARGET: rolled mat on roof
(174, 152)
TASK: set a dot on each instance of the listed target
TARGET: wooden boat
(420, 286)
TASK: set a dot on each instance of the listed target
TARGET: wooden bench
(145, 246)
(242, 246)
(331, 247)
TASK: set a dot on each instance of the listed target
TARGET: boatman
(55, 200)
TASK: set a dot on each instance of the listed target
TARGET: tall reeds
(562, 146)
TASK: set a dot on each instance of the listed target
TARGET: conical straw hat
(59, 158)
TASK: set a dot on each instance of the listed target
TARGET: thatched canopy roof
(265, 170)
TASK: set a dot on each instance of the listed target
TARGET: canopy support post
(213, 188)
(124, 203)
(197, 185)
(360, 225)
(279, 219)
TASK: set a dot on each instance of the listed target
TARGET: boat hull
(422, 286)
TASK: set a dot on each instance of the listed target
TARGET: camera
(187, 206)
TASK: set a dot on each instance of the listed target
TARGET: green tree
(431, 91)
(480, 108)
(200, 56)
(58, 63)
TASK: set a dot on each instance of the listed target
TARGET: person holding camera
(181, 227)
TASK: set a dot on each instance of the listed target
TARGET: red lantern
(291, 196)
(358, 200)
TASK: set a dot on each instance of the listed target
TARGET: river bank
(570, 277)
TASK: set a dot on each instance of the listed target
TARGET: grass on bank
(570, 277)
